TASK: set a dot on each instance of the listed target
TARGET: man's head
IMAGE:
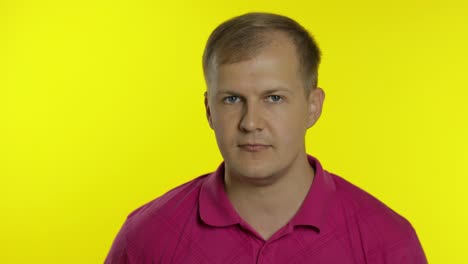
(260, 101)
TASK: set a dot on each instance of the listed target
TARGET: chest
(240, 247)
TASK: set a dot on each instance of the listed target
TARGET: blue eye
(275, 98)
(231, 99)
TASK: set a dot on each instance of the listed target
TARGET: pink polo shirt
(196, 223)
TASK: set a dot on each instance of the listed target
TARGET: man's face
(260, 112)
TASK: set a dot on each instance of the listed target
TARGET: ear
(315, 103)
(208, 112)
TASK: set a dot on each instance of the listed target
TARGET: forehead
(275, 65)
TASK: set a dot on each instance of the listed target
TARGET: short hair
(242, 37)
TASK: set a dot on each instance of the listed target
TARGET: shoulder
(165, 203)
(358, 203)
(148, 227)
(163, 214)
(170, 203)
(380, 229)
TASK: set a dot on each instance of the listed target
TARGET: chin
(254, 172)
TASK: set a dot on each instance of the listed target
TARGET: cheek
(290, 133)
(225, 126)
(290, 128)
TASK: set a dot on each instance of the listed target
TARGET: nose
(252, 119)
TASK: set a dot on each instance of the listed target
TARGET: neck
(272, 205)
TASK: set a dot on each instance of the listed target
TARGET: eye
(275, 98)
(231, 99)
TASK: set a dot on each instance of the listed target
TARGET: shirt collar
(314, 207)
(216, 209)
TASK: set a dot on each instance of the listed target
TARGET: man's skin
(260, 112)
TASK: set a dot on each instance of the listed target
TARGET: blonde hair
(242, 37)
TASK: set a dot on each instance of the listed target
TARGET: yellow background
(101, 111)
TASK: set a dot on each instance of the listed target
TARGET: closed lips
(253, 147)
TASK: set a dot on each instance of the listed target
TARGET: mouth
(254, 147)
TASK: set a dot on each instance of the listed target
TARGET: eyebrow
(270, 91)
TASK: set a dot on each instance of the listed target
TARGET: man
(268, 202)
